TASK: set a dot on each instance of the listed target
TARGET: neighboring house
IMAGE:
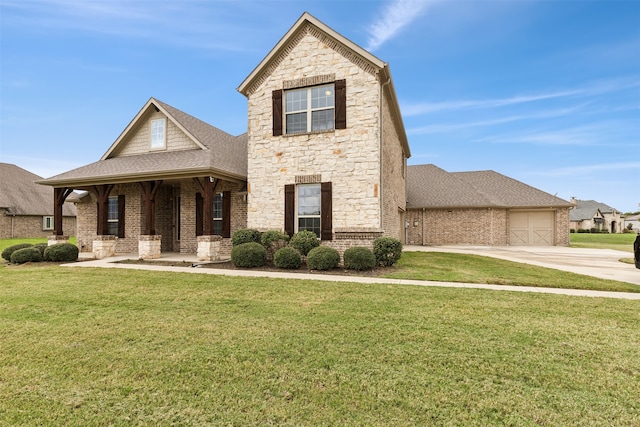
(325, 151)
(25, 207)
(592, 215)
(481, 208)
(634, 221)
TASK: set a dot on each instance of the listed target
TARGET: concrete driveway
(602, 263)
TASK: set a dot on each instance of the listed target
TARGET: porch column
(59, 196)
(149, 190)
(207, 187)
(102, 197)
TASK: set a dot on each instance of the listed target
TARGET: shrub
(359, 258)
(273, 240)
(6, 254)
(245, 235)
(41, 247)
(387, 250)
(23, 255)
(304, 241)
(323, 258)
(61, 252)
(248, 255)
(287, 257)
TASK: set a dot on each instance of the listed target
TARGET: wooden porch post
(149, 190)
(208, 188)
(102, 203)
(59, 196)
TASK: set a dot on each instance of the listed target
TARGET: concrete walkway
(112, 263)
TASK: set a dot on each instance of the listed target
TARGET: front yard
(81, 347)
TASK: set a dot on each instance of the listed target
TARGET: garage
(531, 228)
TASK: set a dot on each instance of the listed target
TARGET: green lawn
(82, 348)
(620, 242)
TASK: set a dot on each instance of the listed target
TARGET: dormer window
(158, 134)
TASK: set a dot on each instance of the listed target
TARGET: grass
(452, 267)
(620, 242)
(84, 348)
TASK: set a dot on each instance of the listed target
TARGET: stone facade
(351, 159)
(27, 226)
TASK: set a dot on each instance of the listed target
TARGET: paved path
(109, 263)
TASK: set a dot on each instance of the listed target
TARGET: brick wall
(25, 226)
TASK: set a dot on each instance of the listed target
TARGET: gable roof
(361, 55)
(218, 154)
(20, 194)
(429, 186)
(588, 209)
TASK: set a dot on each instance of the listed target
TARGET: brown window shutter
(289, 209)
(276, 99)
(226, 214)
(326, 228)
(121, 211)
(341, 104)
(199, 207)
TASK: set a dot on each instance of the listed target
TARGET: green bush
(6, 254)
(287, 257)
(23, 255)
(245, 235)
(61, 252)
(323, 258)
(387, 250)
(273, 240)
(41, 247)
(304, 241)
(248, 255)
(359, 258)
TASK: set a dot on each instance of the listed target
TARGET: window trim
(315, 216)
(47, 219)
(158, 146)
(309, 110)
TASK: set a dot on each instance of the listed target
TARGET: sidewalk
(112, 263)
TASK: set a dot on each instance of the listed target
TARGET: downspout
(381, 118)
(423, 236)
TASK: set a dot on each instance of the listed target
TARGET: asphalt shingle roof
(586, 209)
(429, 186)
(20, 195)
(225, 155)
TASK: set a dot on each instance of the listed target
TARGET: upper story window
(158, 134)
(310, 109)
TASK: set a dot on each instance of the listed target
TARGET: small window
(158, 134)
(310, 109)
(217, 215)
(309, 205)
(47, 223)
(112, 215)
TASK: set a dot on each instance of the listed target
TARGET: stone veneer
(348, 158)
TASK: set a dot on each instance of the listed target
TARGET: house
(595, 216)
(25, 207)
(325, 151)
(481, 208)
(633, 221)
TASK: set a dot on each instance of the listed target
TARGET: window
(309, 208)
(158, 134)
(309, 109)
(112, 215)
(217, 214)
(47, 223)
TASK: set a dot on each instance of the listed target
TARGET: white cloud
(395, 16)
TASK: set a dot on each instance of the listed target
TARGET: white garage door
(531, 228)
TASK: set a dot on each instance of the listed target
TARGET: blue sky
(546, 92)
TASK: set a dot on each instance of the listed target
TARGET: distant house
(634, 221)
(481, 208)
(25, 207)
(595, 216)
